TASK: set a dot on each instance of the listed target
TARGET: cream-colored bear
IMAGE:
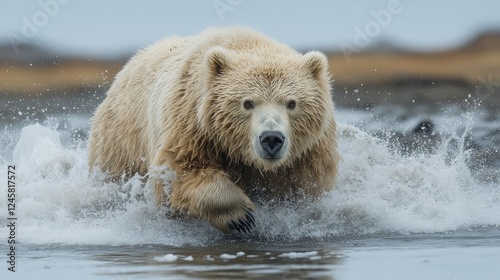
(234, 113)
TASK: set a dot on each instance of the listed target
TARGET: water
(396, 213)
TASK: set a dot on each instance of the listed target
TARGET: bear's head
(265, 109)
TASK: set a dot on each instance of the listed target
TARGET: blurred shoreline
(399, 77)
(376, 76)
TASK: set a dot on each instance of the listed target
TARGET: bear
(238, 116)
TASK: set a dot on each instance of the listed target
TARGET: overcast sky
(111, 28)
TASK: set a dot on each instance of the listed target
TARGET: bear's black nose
(271, 142)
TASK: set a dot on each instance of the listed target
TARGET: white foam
(208, 258)
(377, 191)
(173, 258)
(166, 258)
(299, 255)
(225, 256)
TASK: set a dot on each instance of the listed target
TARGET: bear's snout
(272, 142)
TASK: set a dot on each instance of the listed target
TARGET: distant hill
(468, 64)
(484, 42)
(457, 72)
(39, 71)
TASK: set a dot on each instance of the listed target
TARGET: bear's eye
(291, 105)
(248, 105)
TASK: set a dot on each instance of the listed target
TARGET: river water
(405, 206)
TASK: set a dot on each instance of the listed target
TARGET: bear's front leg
(211, 195)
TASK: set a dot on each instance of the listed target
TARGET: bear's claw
(244, 225)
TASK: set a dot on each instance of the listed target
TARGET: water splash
(379, 190)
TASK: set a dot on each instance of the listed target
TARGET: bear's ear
(218, 60)
(317, 64)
